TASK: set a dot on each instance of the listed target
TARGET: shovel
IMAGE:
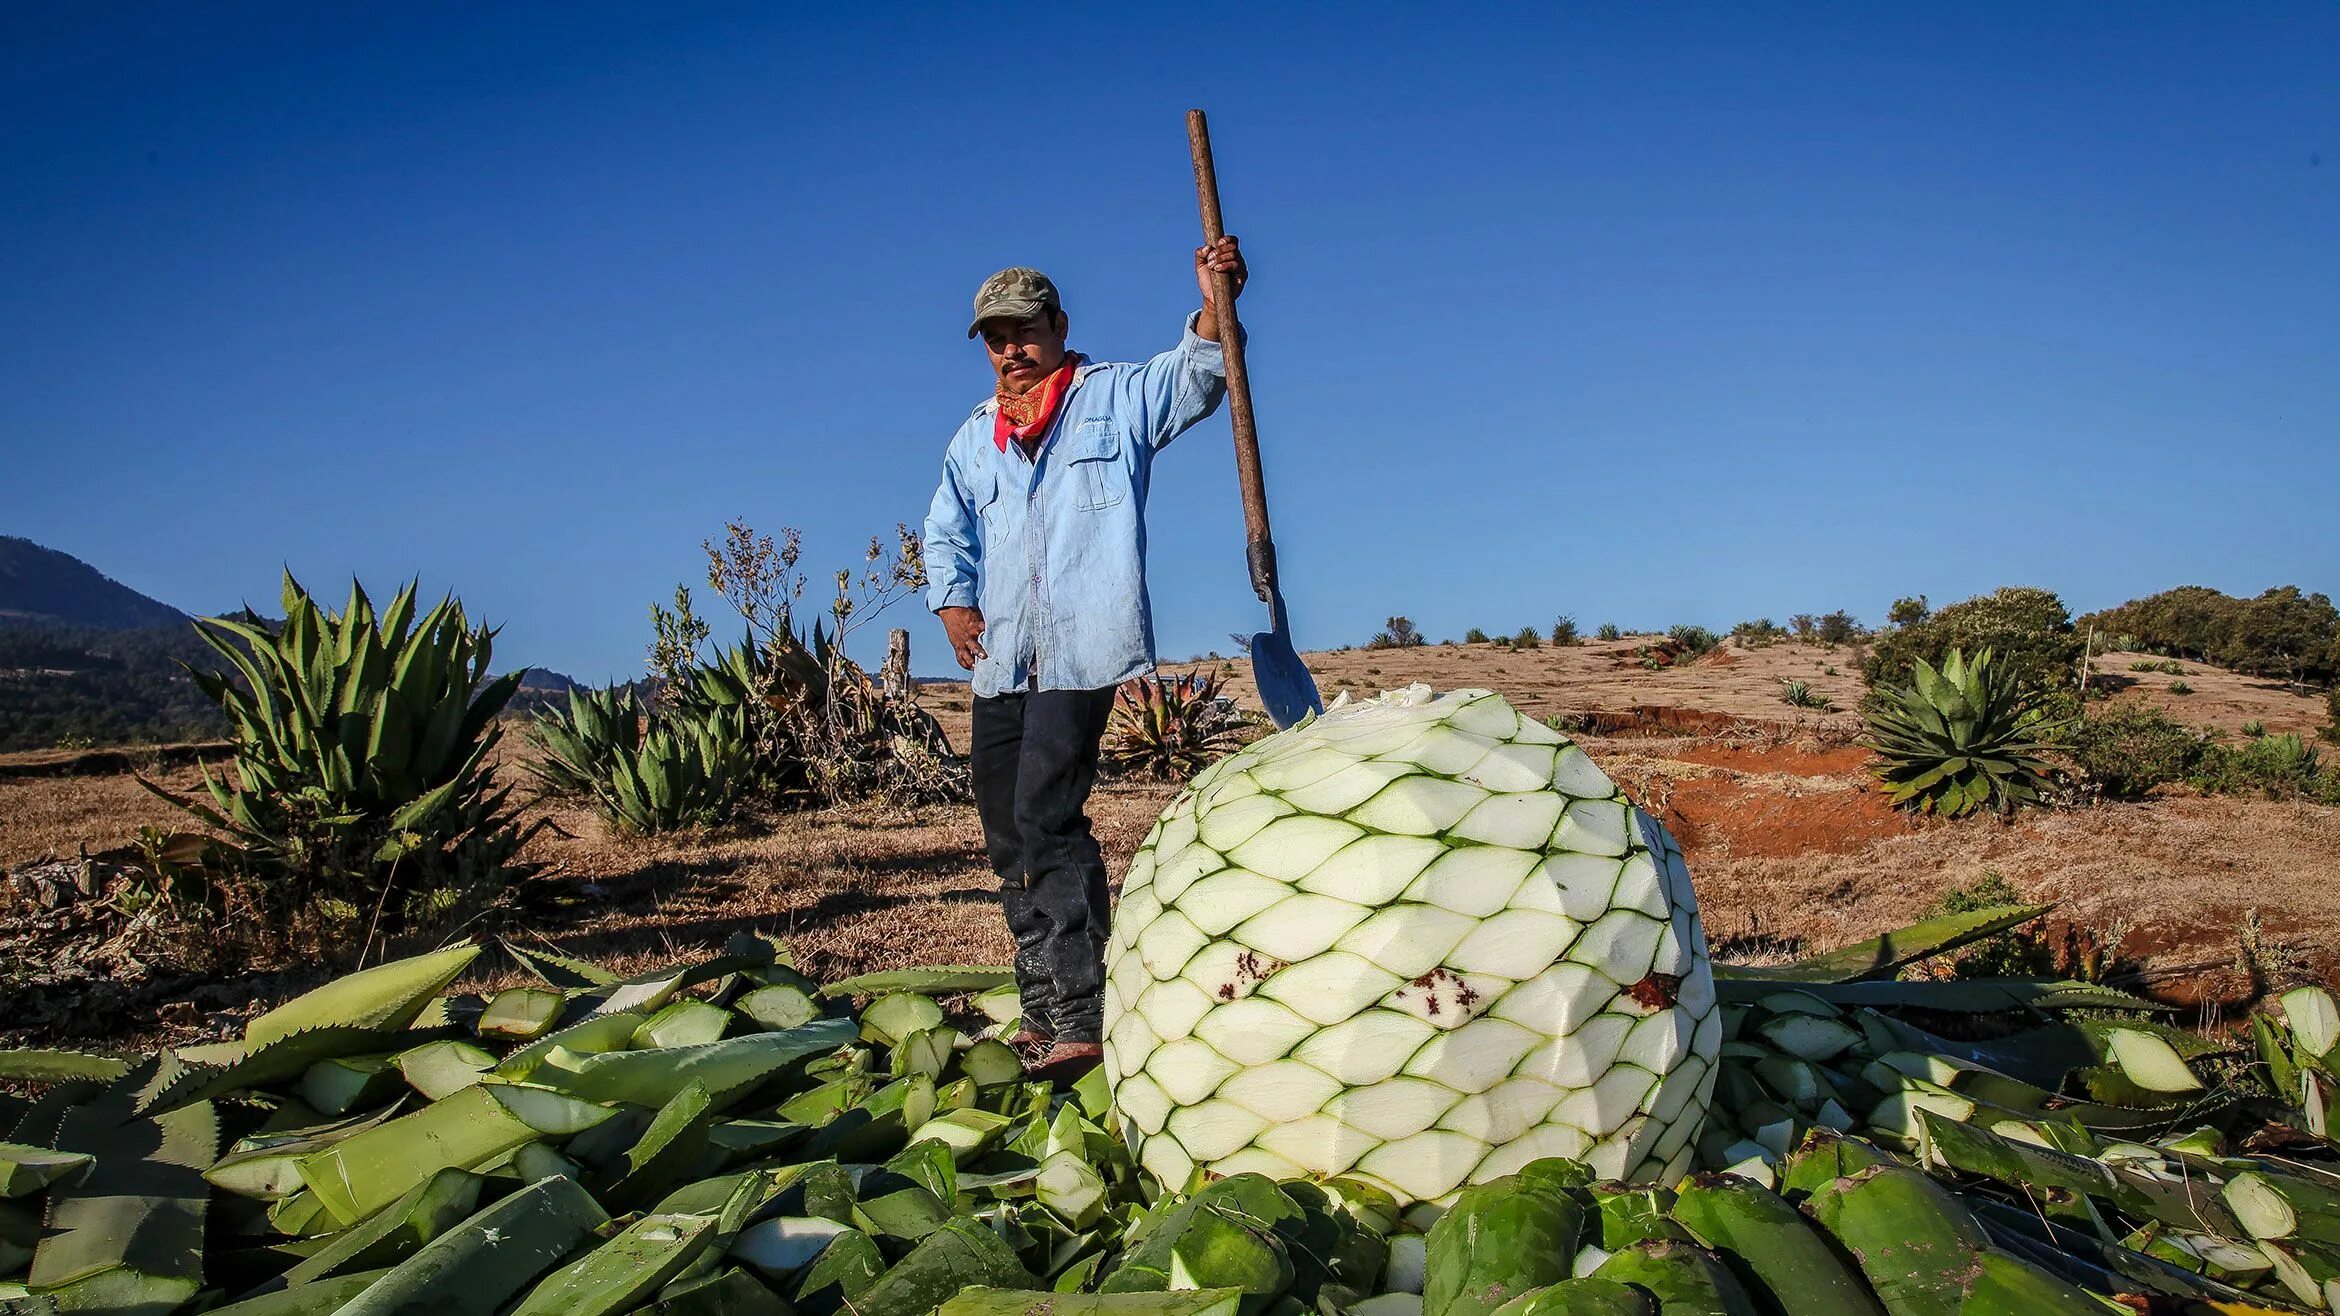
(1285, 688)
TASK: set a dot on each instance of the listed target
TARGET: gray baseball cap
(1014, 293)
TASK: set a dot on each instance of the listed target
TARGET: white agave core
(1420, 939)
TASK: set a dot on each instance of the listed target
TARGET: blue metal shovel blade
(1286, 689)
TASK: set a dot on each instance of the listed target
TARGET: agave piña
(1420, 939)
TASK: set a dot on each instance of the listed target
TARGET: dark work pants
(1035, 758)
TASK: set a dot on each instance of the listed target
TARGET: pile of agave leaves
(730, 1137)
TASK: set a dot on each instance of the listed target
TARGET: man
(1036, 547)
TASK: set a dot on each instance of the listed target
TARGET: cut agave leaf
(521, 1014)
(481, 1263)
(846, 1269)
(363, 1174)
(339, 1086)
(386, 997)
(438, 1069)
(778, 1007)
(682, 1023)
(732, 1292)
(667, 1149)
(394, 1233)
(784, 1245)
(892, 1018)
(968, 1133)
(325, 1295)
(264, 1166)
(27, 1170)
(959, 1256)
(601, 1033)
(2150, 1062)
(652, 1078)
(41, 1065)
(1001, 1004)
(129, 1232)
(991, 1063)
(620, 1273)
(2314, 1020)
(1880, 957)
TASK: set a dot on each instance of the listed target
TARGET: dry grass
(2221, 699)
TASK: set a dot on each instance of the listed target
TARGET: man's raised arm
(1183, 385)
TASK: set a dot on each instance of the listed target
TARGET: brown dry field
(1788, 844)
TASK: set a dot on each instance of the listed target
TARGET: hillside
(63, 686)
(43, 585)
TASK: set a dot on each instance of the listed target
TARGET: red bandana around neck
(1026, 416)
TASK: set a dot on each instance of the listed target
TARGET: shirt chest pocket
(1094, 468)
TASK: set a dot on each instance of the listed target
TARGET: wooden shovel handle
(1260, 547)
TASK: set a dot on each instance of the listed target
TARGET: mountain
(547, 680)
(45, 586)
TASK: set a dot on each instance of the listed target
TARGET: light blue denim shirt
(1053, 549)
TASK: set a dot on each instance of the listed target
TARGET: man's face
(1025, 351)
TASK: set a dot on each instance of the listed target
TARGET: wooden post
(897, 670)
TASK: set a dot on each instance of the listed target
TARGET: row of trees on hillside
(2283, 632)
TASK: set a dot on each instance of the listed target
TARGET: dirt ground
(2220, 698)
(1787, 841)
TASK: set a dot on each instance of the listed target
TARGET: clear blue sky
(1639, 312)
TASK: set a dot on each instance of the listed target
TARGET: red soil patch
(1731, 816)
(1842, 761)
(1646, 718)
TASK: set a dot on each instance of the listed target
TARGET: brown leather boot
(1066, 1062)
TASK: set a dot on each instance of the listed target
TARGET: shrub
(1804, 625)
(1963, 738)
(1609, 631)
(1526, 639)
(2279, 766)
(1839, 627)
(1474, 636)
(2129, 749)
(2180, 688)
(1908, 612)
(1398, 633)
(1758, 633)
(818, 729)
(1564, 631)
(1797, 694)
(2332, 711)
(2254, 728)
(364, 757)
(1694, 640)
(2027, 630)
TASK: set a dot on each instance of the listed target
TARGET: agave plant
(685, 767)
(1799, 694)
(685, 772)
(363, 743)
(1965, 737)
(1168, 727)
(579, 743)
